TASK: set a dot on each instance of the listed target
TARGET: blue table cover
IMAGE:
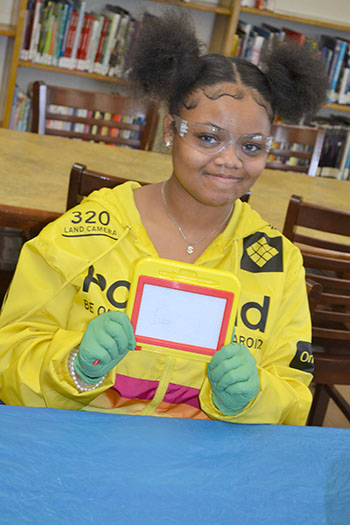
(66, 467)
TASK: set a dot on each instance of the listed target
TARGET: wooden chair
(106, 118)
(83, 181)
(296, 148)
(17, 225)
(327, 263)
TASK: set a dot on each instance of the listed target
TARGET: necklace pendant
(190, 249)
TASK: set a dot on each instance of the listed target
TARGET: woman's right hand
(107, 339)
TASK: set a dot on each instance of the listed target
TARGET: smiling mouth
(226, 178)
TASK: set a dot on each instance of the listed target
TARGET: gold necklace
(191, 245)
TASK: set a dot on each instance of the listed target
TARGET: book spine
(72, 60)
(59, 33)
(79, 126)
(87, 127)
(336, 72)
(22, 107)
(52, 42)
(26, 116)
(346, 173)
(110, 42)
(29, 20)
(20, 97)
(343, 88)
(48, 35)
(114, 132)
(43, 31)
(87, 41)
(94, 128)
(95, 38)
(82, 39)
(64, 61)
(101, 44)
(14, 102)
(119, 42)
(66, 33)
(334, 59)
(117, 69)
(344, 156)
(256, 50)
(104, 129)
(35, 31)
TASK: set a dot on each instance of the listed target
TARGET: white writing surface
(180, 316)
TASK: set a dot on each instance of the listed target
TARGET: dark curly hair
(168, 64)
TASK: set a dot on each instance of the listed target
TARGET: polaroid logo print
(262, 310)
(101, 282)
(247, 309)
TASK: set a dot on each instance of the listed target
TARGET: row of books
(63, 33)
(21, 115)
(335, 156)
(251, 41)
(78, 127)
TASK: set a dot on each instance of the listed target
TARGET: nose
(229, 157)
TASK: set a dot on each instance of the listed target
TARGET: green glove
(234, 378)
(107, 339)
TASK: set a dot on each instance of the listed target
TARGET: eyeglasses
(211, 140)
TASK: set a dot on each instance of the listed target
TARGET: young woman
(74, 348)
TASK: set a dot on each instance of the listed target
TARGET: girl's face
(220, 156)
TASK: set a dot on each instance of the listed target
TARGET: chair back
(304, 218)
(314, 291)
(99, 117)
(83, 181)
(330, 329)
(17, 225)
(327, 263)
(296, 148)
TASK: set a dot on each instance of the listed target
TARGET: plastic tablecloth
(60, 466)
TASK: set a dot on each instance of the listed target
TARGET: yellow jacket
(78, 267)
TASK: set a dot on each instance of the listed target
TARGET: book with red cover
(297, 37)
(86, 32)
(71, 34)
(86, 43)
(83, 33)
(104, 32)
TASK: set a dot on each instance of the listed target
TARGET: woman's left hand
(234, 378)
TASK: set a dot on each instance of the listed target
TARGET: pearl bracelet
(78, 382)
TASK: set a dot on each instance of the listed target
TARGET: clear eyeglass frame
(211, 140)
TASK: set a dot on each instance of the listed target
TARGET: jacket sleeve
(34, 341)
(285, 364)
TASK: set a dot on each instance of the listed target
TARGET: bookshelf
(298, 19)
(225, 13)
(223, 29)
(303, 24)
